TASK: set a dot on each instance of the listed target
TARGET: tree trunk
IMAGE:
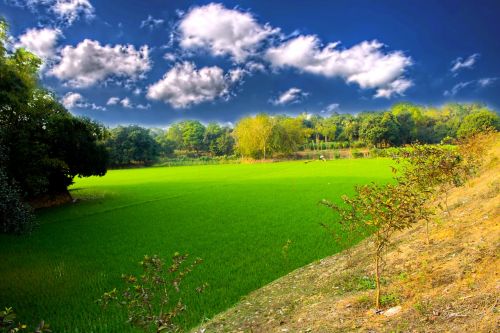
(377, 280)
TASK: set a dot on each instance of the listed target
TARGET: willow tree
(253, 136)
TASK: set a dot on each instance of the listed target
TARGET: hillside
(451, 284)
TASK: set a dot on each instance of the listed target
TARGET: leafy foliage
(15, 216)
(46, 146)
(425, 173)
(128, 145)
(263, 135)
(478, 122)
(8, 323)
(380, 210)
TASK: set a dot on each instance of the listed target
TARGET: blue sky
(157, 61)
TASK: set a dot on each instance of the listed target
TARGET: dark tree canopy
(45, 146)
(129, 145)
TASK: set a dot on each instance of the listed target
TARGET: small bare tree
(152, 299)
(380, 210)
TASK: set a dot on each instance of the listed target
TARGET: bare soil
(451, 284)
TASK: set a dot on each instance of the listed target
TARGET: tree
(46, 146)
(166, 146)
(477, 122)
(224, 143)
(174, 134)
(253, 136)
(212, 133)
(192, 135)
(380, 210)
(287, 135)
(327, 127)
(131, 145)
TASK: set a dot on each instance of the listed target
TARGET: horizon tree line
(268, 136)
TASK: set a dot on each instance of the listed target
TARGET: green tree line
(264, 136)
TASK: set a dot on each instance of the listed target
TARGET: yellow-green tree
(253, 136)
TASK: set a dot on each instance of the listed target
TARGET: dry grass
(449, 285)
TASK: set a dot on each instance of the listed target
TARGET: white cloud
(74, 100)
(478, 84)
(236, 74)
(291, 96)
(143, 106)
(67, 11)
(137, 91)
(151, 23)
(487, 81)
(253, 66)
(96, 107)
(330, 108)
(71, 10)
(169, 56)
(460, 63)
(365, 63)
(71, 99)
(113, 101)
(396, 87)
(457, 87)
(185, 85)
(223, 31)
(90, 62)
(126, 103)
(41, 42)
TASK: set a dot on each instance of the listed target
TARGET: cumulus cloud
(291, 96)
(90, 62)
(185, 85)
(222, 31)
(396, 87)
(460, 63)
(151, 23)
(365, 64)
(41, 42)
(74, 100)
(71, 99)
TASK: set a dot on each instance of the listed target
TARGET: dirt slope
(449, 285)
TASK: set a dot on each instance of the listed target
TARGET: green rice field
(236, 217)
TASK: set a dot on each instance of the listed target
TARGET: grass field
(236, 217)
